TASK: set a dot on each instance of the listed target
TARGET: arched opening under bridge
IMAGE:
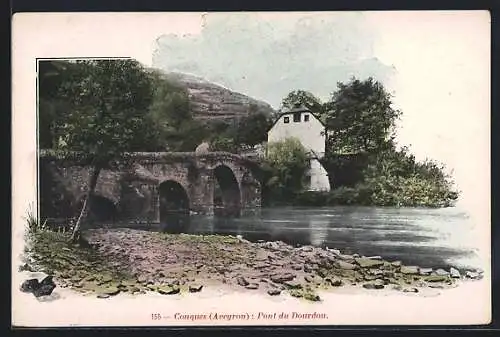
(227, 195)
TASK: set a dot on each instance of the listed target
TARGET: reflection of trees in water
(175, 222)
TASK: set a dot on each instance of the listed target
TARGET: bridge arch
(227, 194)
(173, 197)
(101, 208)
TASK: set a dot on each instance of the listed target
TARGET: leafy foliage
(170, 110)
(286, 164)
(305, 98)
(252, 130)
(102, 109)
(360, 118)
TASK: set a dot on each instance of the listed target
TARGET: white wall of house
(304, 126)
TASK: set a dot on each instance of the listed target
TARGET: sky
(435, 64)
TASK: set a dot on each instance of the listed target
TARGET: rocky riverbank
(135, 262)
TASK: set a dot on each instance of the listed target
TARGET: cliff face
(211, 102)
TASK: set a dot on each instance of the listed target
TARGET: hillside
(210, 101)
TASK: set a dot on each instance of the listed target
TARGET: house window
(306, 118)
(296, 117)
(286, 119)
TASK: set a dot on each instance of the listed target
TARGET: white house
(302, 124)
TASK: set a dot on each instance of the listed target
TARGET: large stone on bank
(377, 284)
(306, 249)
(45, 288)
(454, 273)
(252, 286)
(335, 282)
(345, 265)
(425, 271)
(30, 285)
(110, 291)
(441, 272)
(168, 290)
(280, 278)
(473, 275)
(293, 284)
(436, 278)
(368, 262)
(409, 270)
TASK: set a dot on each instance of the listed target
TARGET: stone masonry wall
(135, 192)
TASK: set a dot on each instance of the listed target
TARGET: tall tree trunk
(75, 236)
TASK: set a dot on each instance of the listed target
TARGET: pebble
(374, 285)
(409, 270)
(242, 281)
(336, 282)
(308, 278)
(410, 290)
(345, 265)
(194, 288)
(274, 292)
(472, 275)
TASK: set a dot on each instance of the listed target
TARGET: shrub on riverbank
(383, 191)
(389, 178)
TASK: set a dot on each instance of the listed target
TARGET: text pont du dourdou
(215, 316)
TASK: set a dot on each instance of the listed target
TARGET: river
(425, 237)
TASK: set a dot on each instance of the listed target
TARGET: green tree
(252, 130)
(170, 110)
(107, 117)
(51, 74)
(360, 117)
(287, 162)
(304, 98)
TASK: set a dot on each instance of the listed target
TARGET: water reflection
(430, 238)
(175, 222)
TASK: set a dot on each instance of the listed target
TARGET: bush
(33, 223)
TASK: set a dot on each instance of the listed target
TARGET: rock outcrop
(212, 102)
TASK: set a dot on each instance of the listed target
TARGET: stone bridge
(146, 187)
